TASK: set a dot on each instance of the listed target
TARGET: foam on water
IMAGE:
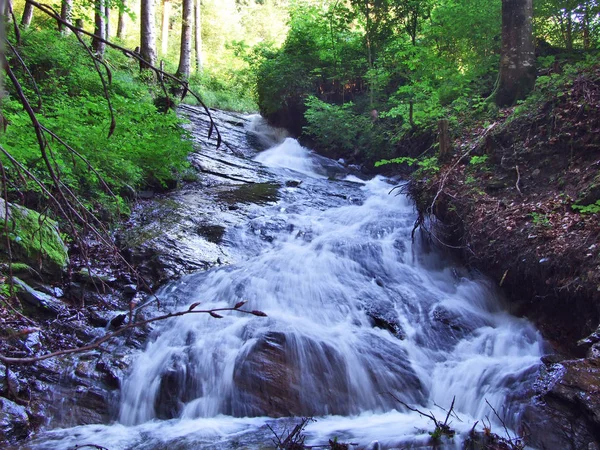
(335, 282)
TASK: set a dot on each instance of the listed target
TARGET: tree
(517, 62)
(107, 19)
(65, 13)
(164, 35)
(185, 54)
(27, 15)
(99, 28)
(147, 32)
(121, 20)
(198, 34)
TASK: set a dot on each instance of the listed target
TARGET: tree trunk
(121, 23)
(27, 15)
(147, 32)
(65, 14)
(164, 34)
(99, 28)
(79, 24)
(198, 35)
(586, 28)
(7, 10)
(185, 55)
(569, 31)
(517, 62)
(107, 21)
(444, 140)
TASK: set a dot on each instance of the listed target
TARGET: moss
(35, 240)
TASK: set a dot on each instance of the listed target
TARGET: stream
(360, 321)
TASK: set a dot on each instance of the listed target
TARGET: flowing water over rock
(358, 316)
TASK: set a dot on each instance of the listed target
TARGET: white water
(321, 262)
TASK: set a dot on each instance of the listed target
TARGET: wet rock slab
(566, 410)
(182, 232)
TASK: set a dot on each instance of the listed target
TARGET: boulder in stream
(14, 422)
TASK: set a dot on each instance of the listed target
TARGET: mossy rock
(34, 239)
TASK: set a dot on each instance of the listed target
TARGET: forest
(489, 108)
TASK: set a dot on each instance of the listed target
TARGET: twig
(447, 173)
(429, 416)
(500, 419)
(518, 180)
(94, 345)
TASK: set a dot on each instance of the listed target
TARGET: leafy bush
(147, 147)
(339, 131)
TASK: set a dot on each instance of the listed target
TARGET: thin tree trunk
(185, 54)
(79, 24)
(164, 33)
(121, 23)
(107, 21)
(586, 28)
(147, 32)
(65, 14)
(7, 10)
(517, 61)
(99, 28)
(27, 15)
(198, 34)
(569, 34)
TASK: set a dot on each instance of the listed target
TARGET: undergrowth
(148, 147)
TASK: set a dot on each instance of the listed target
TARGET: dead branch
(131, 53)
(518, 180)
(26, 69)
(295, 439)
(96, 344)
(97, 447)
(500, 419)
(447, 173)
(429, 416)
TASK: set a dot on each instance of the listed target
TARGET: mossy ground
(35, 240)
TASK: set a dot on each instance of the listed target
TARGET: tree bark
(147, 32)
(79, 24)
(121, 23)
(65, 14)
(99, 28)
(517, 62)
(27, 15)
(444, 139)
(198, 34)
(164, 34)
(185, 54)
(107, 21)
(7, 9)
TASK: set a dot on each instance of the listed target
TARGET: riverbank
(520, 201)
(166, 236)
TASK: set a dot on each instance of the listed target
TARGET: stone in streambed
(14, 422)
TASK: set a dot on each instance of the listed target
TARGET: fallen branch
(94, 345)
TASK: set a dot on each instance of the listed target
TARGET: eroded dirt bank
(520, 200)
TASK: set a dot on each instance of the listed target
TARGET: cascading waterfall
(358, 316)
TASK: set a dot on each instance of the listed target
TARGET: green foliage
(147, 147)
(35, 239)
(426, 165)
(540, 220)
(593, 208)
(340, 131)
(333, 127)
(478, 160)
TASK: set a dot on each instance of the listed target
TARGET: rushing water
(359, 317)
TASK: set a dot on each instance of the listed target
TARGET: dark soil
(510, 210)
